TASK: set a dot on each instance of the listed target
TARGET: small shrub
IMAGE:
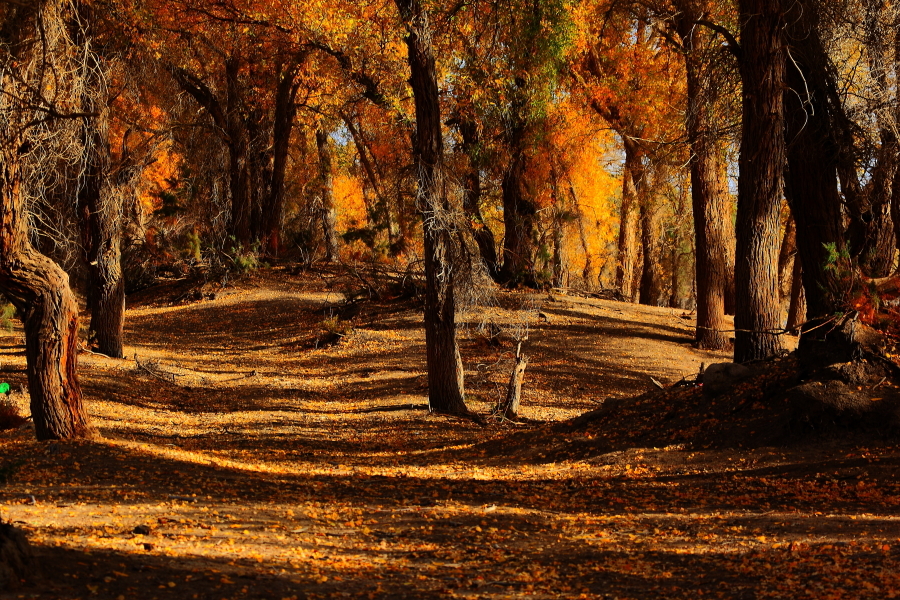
(9, 415)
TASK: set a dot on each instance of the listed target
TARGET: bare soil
(273, 441)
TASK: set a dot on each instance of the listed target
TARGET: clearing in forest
(273, 441)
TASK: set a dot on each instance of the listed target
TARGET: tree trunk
(513, 398)
(629, 216)
(100, 205)
(708, 196)
(786, 257)
(282, 125)
(100, 208)
(518, 220)
(652, 292)
(762, 160)
(327, 212)
(484, 237)
(797, 309)
(40, 291)
(386, 210)
(445, 369)
(812, 173)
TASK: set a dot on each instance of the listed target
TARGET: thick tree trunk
(652, 291)
(40, 291)
(812, 173)
(327, 211)
(762, 160)
(518, 220)
(282, 126)
(100, 208)
(713, 229)
(445, 369)
(629, 220)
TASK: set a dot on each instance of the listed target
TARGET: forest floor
(239, 455)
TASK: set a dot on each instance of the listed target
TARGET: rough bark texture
(100, 208)
(445, 369)
(812, 174)
(629, 220)
(759, 188)
(652, 290)
(518, 217)
(327, 211)
(40, 291)
(285, 115)
(786, 257)
(36, 286)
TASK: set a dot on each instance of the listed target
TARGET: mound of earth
(817, 393)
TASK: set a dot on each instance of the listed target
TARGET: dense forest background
(719, 157)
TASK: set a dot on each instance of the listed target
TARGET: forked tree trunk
(762, 160)
(445, 368)
(327, 211)
(39, 289)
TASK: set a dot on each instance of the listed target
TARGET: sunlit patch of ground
(240, 460)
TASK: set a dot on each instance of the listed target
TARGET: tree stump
(514, 390)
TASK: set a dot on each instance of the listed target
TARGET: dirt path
(244, 460)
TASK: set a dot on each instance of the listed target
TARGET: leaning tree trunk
(445, 369)
(40, 291)
(762, 159)
(327, 212)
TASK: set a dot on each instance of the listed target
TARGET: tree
(445, 369)
(37, 287)
(762, 159)
(712, 231)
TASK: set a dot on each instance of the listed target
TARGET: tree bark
(797, 309)
(812, 161)
(652, 291)
(760, 185)
(629, 216)
(445, 369)
(100, 209)
(518, 218)
(39, 289)
(327, 212)
(787, 257)
(283, 124)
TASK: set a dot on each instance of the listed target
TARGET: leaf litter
(273, 468)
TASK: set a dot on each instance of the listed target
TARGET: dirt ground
(273, 442)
